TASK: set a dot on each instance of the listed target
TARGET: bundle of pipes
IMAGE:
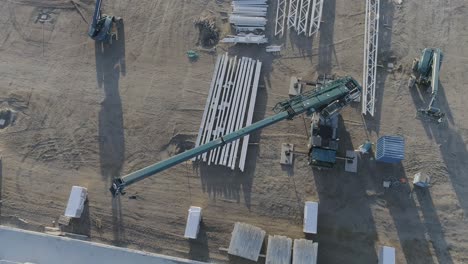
(248, 18)
(229, 107)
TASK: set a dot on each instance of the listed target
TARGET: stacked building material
(305, 251)
(246, 241)
(279, 250)
(249, 20)
(303, 16)
(390, 149)
(229, 107)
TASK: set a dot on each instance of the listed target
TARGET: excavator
(426, 73)
(326, 100)
(103, 26)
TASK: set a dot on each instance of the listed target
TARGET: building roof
(22, 246)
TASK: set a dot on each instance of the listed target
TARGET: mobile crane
(328, 100)
(425, 73)
(101, 28)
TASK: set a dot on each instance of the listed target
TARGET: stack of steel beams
(248, 18)
(229, 107)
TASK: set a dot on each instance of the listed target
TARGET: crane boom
(339, 92)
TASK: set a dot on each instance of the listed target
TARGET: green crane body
(426, 72)
(329, 99)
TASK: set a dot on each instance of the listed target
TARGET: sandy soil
(88, 113)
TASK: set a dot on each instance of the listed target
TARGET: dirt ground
(86, 113)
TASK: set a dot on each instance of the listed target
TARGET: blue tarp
(390, 149)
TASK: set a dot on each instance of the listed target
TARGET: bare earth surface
(86, 113)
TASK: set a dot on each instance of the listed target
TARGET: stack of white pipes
(229, 107)
(249, 19)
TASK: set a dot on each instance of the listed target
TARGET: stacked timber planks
(229, 107)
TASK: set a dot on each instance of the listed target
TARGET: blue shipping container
(390, 149)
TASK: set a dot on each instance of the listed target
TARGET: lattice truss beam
(292, 14)
(371, 45)
(303, 17)
(315, 16)
(280, 17)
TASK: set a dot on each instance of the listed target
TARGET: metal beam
(292, 14)
(303, 17)
(207, 105)
(240, 122)
(253, 97)
(315, 16)
(371, 44)
(280, 17)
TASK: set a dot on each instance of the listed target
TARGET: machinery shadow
(327, 29)
(199, 247)
(110, 65)
(404, 212)
(433, 226)
(82, 225)
(345, 220)
(384, 56)
(452, 146)
(302, 43)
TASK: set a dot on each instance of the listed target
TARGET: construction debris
(273, 48)
(229, 107)
(249, 20)
(246, 241)
(209, 32)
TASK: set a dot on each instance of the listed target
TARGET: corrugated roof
(279, 250)
(246, 241)
(305, 252)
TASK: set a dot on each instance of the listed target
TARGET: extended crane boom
(328, 100)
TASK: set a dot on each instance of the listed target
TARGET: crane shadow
(433, 226)
(110, 65)
(404, 212)
(345, 213)
(327, 29)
